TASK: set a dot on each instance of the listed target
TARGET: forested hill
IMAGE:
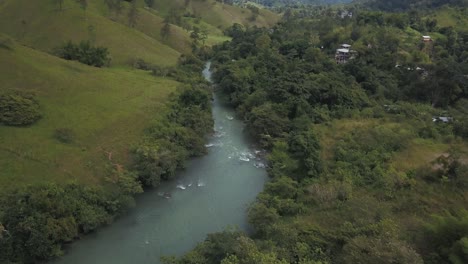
(277, 3)
(366, 123)
(399, 5)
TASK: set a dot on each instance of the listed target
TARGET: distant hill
(400, 5)
(276, 3)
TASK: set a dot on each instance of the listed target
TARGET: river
(211, 194)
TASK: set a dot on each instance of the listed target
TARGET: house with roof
(426, 38)
(443, 119)
(343, 54)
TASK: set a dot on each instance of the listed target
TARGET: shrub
(85, 53)
(18, 109)
(64, 135)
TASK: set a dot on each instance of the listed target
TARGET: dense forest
(367, 156)
(362, 109)
(399, 5)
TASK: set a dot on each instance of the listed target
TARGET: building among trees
(343, 54)
(426, 38)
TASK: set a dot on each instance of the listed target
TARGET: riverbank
(210, 195)
(42, 217)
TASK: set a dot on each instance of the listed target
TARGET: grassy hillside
(218, 15)
(452, 17)
(41, 25)
(107, 110)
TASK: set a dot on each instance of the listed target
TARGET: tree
(149, 3)
(166, 30)
(83, 4)
(370, 250)
(197, 35)
(85, 53)
(305, 147)
(114, 5)
(59, 3)
(261, 217)
(447, 238)
(133, 14)
(263, 42)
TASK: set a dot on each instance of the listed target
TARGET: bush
(64, 135)
(17, 109)
(85, 53)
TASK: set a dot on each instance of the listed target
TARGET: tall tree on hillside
(133, 14)
(166, 29)
(195, 35)
(83, 5)
(59, 3)
(114, 6)
(149, 3)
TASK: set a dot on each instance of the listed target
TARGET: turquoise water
(211, 194)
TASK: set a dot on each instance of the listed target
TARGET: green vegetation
(179, 134)
(360, 171)
(40, 218)
(84, 53)
(367, 158)
(77, 141)
(18, 109)
(107, 108)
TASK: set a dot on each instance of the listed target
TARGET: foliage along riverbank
(37, 220)
(361, 172)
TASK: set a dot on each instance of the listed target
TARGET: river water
(210, 195)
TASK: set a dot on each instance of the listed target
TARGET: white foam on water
(244, 159)
(180, 186)
(201, 184)
(259, 165)
(219, 134)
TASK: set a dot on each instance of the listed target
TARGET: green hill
(218, 15)
(40, 25)
(107, 110)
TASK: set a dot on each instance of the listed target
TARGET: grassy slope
(40, 25)
(106, 108)
(217, 15)
(451, 17)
